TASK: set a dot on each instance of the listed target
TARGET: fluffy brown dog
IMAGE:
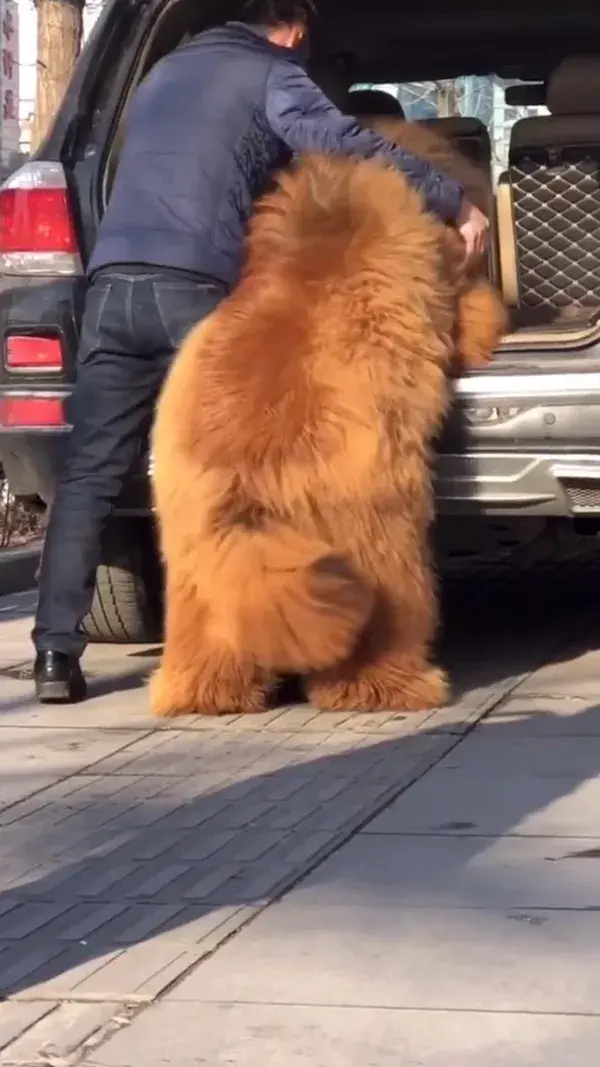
(292, 455)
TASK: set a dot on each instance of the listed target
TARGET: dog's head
(324, 211)
(433, 146)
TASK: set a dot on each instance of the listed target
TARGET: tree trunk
(447, 100)
(59, 33)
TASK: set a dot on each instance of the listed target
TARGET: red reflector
(35, 220)
(26, 411)
(33, 353)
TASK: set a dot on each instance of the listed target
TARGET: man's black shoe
(58, 679)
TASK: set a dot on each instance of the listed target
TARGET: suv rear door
(49, 212)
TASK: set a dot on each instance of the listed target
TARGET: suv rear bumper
(516, 443)
(522, 444)
(517, 483)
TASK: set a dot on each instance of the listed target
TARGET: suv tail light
(31, 412)
(28, 353)
(37, 235)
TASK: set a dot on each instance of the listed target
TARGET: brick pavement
(130, 851)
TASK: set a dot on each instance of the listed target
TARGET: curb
(18, 568)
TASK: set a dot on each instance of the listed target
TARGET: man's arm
(302, 116)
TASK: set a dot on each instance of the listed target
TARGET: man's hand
(474, 229)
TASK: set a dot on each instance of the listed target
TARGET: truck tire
(127, 605)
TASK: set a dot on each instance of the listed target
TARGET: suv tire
(127, 605)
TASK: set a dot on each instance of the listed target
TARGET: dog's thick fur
(292, 454)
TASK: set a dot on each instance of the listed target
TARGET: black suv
(523, 444)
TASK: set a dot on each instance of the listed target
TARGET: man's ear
(299, 37)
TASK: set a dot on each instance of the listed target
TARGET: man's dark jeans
(132, 325)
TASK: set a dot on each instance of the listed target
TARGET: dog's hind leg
(199, 674)
(391, 668)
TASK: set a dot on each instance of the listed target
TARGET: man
(206, 130)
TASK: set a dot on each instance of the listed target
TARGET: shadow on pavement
(124, 852)
(155, 864)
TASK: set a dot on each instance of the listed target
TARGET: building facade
(9, 86)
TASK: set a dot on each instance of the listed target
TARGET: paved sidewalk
(142, 868)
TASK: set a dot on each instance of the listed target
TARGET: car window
(470, 96)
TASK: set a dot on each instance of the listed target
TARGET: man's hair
(279, 12)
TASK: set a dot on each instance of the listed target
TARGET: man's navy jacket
(205, 131)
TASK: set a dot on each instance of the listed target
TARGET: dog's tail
(285, 602)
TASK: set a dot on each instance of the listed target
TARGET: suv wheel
(127, 606)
